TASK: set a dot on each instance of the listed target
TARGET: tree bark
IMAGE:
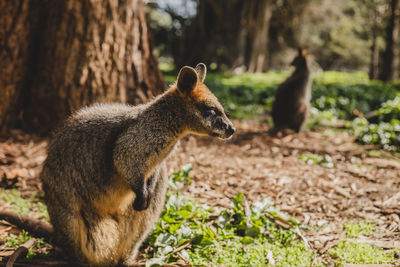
(392, 33)
(87, 51)
(15, 55)
(259, 52)
(211, 35)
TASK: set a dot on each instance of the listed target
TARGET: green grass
(16, 240)
(356, 229)
(359, 253)
(32, 205)
(21, 205)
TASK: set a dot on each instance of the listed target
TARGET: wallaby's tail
(35, 227)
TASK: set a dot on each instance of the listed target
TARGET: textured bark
(209, 36)
(233, 33)
(392, 33)
(259, 51)
(14, 55)
(88, 51)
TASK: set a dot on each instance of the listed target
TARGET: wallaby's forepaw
(141, 202)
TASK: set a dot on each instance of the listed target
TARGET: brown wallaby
(105, 178)
(292, 99)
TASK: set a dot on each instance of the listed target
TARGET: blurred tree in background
(256, 36)
(389, 58)
(56, 56)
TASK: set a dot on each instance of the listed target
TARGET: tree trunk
(259, 52)
(15, 55)
(212, 34)
(87, 51)
(392, 33)
(374, 57)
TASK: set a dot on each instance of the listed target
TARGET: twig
(331, 243)
(314, 260)
(302, 237)
(359, 175)
(182, 258)
(22, 250)
(280, 221)
(185, 245)
(35, 227)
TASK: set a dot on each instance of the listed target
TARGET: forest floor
(322, 178)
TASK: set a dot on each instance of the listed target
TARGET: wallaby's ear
(302, 52)
(299, 51)
(187, 79)
(201, 70)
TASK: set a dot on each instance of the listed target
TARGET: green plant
(386, 132)
(16, 240)
(22, 205)
(324, 160)
(243, 235)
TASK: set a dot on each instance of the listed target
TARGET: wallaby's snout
(230, 130)
(222, 127)
(227, 129)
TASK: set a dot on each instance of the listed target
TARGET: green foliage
(390, 109)
(24, 205)
(242, 235)
(324, 160)
(352, 252)
(360, 253)
(16, 240)
(178, 179)
(355, 229)
(383, 133)
(257, 235)
(343, 99)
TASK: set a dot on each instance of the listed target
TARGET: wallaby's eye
(211, 112)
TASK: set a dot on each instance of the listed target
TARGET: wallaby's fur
(292, 99)
(105, 177)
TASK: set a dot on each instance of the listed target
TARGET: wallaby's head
(301, 59)
(204, 113)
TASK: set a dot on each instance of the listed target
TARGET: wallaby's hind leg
(95, 238)
(300, 119)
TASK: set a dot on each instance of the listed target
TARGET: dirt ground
(362, 184)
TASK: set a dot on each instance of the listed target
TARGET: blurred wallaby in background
(292, 99)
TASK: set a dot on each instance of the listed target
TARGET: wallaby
(105, 177)
(292, 99)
